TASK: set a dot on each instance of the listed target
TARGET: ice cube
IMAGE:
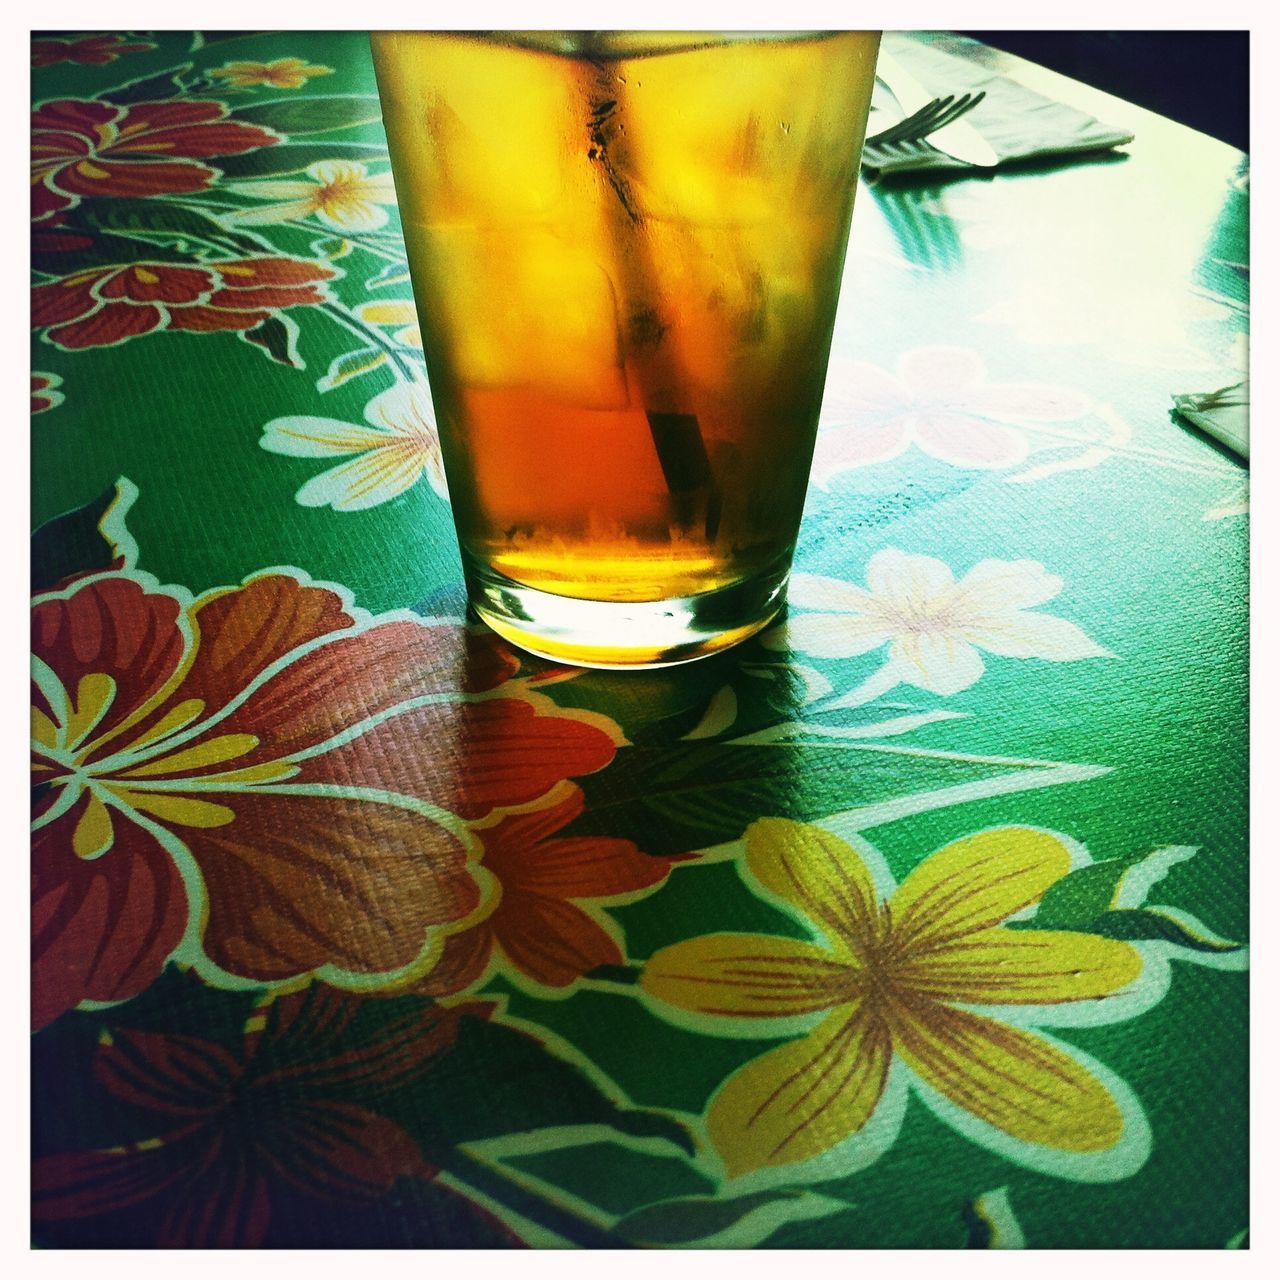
(517, 307)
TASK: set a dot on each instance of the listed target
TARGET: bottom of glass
(637, 634)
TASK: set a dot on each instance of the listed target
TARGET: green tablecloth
(915, 922)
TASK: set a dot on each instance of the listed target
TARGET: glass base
(644, 633)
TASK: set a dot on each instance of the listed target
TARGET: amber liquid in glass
(626, 250)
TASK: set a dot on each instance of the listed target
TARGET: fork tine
(960, 107)
(915, 125)
(938, 108)
(898, 130)
(908, 124)
(922, 122)
(914, 130)
(931, 117)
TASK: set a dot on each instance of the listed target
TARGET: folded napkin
(1018, 123)
(1223, 414)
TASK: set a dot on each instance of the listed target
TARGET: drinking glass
(626, 249)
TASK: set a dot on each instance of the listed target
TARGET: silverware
(908, 136)
(1222, 414)
(955, 137)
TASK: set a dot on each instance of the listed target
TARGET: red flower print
(88, 50)
(291, 1110)
(537, 924)
(264, 782)
(104, 306)
(44, 391)
(85, 147)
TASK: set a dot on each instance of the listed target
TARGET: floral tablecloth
(917, 921)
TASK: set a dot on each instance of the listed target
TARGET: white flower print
(933, 625)
(342, 194)
(400, 445)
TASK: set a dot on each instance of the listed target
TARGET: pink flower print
(938, 399)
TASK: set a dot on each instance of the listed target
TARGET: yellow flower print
(394, 311)
(342, 194)
(283, 73)
(890, 992)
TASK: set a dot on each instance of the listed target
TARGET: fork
(910, 133)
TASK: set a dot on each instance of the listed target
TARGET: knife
(958, 139)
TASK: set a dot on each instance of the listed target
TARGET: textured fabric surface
(918, 920)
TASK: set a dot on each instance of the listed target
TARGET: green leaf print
(312, 115)
(268, 162)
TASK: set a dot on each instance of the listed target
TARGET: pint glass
(626, 249)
